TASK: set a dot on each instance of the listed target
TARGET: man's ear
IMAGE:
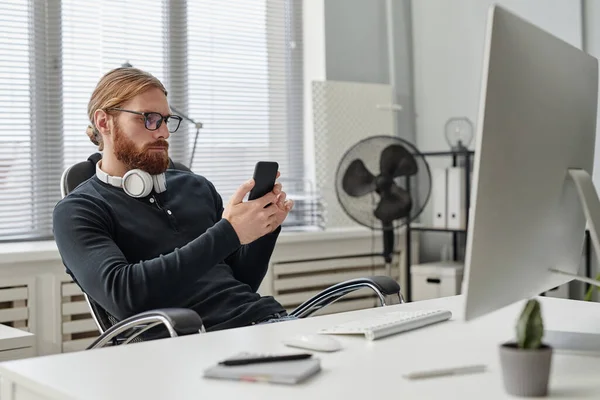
(102, 122)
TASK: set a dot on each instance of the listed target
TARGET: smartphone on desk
(265, 174)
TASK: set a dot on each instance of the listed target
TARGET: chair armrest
(384, 284)
(177, 321)
(381, 285)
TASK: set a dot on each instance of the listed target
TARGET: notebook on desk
(283, 372)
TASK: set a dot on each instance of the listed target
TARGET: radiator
(313, 261)
(78, 327)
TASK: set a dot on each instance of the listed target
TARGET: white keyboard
(389, 323)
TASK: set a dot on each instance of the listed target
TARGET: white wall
(358, 49)
(448, 49)
(448, 42)
(346, 40)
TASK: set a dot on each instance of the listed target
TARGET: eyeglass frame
(163, 118)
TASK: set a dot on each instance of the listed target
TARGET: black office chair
(181, 321)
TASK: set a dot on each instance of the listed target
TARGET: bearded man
(139, 236)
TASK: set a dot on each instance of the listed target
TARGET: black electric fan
(383, 182)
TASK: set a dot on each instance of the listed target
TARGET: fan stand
(388, 247)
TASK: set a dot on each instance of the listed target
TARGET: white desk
(15, 343)
(172, 368)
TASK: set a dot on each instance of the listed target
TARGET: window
(235, 66)
(93, 46)
(241, 72)
(17, 110)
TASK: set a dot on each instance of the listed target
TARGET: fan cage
(361, 209)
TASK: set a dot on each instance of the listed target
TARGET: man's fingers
(241, 192)
(277, 188)
(271, 210)
(272, 220)
(268, 229)
(289, 204)
(266, 199)
(278, 175)
(281, 200)
(270, 224)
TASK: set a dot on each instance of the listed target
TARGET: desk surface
(172, 368)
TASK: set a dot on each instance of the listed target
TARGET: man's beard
(152, 161)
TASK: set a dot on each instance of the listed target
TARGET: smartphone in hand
(265, 175)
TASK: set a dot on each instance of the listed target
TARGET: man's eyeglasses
(153, 120)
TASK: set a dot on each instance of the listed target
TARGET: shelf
(432, 229)
(456, 156)
(447, 153)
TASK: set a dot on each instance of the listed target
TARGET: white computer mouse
(314, 342)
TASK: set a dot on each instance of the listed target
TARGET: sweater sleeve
(82, 231)
(249, 262)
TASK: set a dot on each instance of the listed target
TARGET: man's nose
(162, 132)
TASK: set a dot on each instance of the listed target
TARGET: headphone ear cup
(137, 183)
(160, 183)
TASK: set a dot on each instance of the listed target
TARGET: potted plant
(526, 363)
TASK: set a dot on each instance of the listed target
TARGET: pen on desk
(470, 369)
(266, 359)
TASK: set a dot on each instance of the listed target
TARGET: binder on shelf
(439, 195)
(456, 211)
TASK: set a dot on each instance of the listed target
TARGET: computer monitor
(532, 166)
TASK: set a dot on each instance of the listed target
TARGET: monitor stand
(581, 343)
(591, 208)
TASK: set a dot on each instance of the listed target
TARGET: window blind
(245, 85)
(29, 63)
(16, 133)
(97, 39)
(234, 66)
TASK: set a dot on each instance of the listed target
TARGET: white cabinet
(436, 279)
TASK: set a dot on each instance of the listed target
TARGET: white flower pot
(525, 372)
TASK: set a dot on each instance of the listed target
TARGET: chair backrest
(72, 177)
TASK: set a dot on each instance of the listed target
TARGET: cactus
(530, 326)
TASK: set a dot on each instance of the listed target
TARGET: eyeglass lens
(154, 120)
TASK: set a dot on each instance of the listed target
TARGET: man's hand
(252, 220)
(284, 205)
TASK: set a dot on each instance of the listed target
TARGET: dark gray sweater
(169, 249)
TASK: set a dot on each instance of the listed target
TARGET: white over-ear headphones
(136, 183)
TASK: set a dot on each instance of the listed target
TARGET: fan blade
(357, 180)
(397, 161)
(394, 204)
